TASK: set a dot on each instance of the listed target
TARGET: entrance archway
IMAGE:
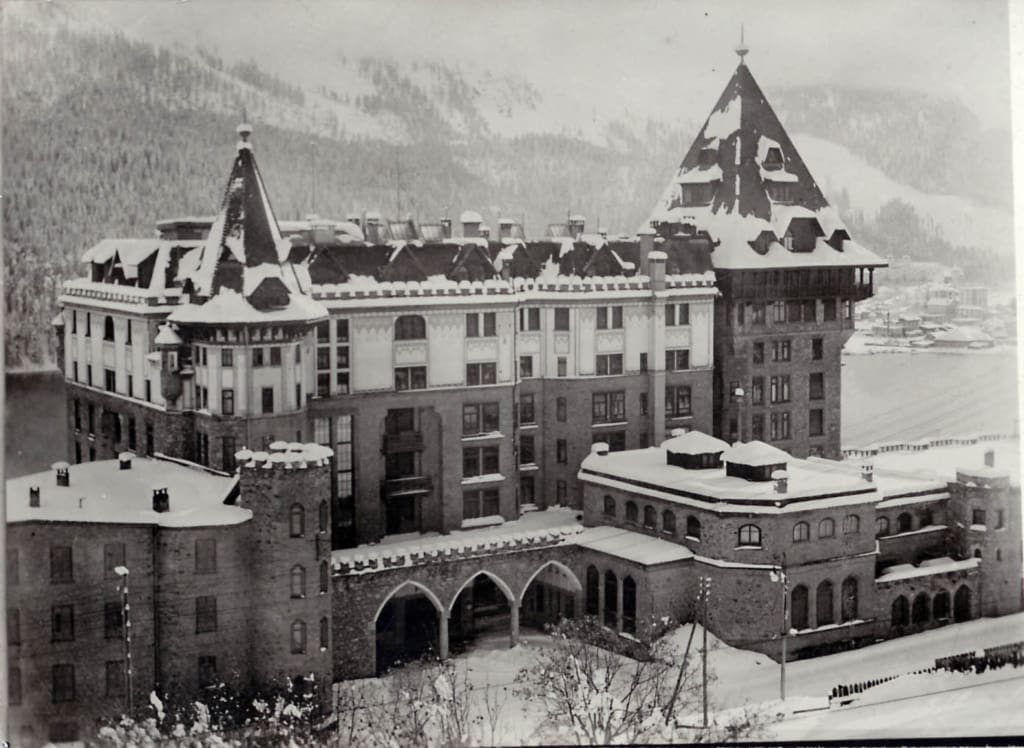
(551, 594)
(407, 626)
(482, 605)
(962, 604)
(940, 607)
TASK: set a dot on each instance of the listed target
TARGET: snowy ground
(926, 705)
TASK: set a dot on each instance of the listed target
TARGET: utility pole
(780, 577)
(706, 587)
(312, 173)
(398, 186)
(122, 571)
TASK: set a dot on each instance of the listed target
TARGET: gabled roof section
(741, 177)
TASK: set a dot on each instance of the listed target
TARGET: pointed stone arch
(557, 564)
(427, 592)
(498, 581)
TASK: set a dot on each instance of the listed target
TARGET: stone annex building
(320, 447)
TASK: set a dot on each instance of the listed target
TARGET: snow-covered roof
(965, 334)
(942, 463)
(470, 216)
(755, 453)
(102, 492)
(927, 568)
(700, 176)
(229, 307)
(166, 335)
(694, 443)
(632, 546)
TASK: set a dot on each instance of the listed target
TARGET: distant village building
(342, 443)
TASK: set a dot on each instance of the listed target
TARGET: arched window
(593, 591)
(325, 632)
(922, 606)
(693, 527)
(323, 516)
(609, 506)
(801, 532)
(629, 605)
(798, 608)
(668, 522)
(325, 576)
(750, 535)
(825, 605)
(108, 328)
(927, 518)
(298, 637)
(631, 511)
(851, 524)
(611, 600)
(904, 523)
(848, 605)
(410, 327)
(650, 518)
(900, 611)
(881, 527)
(940, 606)
(298, 581)
(827, 528)
(297, 521)
(962, 604)
(977, 552)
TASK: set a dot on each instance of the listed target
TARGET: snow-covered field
(940, 703)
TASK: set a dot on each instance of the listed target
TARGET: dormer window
(773, 160)
(697, 194)
(780, 192)
(708, 157)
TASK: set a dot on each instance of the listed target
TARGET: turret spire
(742, 48)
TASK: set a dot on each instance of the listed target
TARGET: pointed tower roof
(244, 273)
(744, 182)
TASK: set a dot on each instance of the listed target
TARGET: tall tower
(788, 272)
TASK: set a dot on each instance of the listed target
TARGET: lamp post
(705, 588)
(122, 571)
(778, 574)
(738, 393)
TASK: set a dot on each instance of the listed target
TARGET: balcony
(402, 441)
(413, 485)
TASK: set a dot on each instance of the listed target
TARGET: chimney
(446, 228)
(485, 231)
(125, 460)
(356, 219)
(470, 221)
(646, 246)
(599, 448)
(63, 473)
(33, 496)
(867, 472)
(505, 228)
(161, 501)
(577, 224)
(656, 269)
(990, 458)
(781, 478)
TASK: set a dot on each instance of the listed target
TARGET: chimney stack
(470, 221)
(125, 460)
(990, 458)
(63, 473)
(161, 501)
(867, 472)
(656, 260)
(646, 246)
(781, 478)
(577, 225)
(33, 496)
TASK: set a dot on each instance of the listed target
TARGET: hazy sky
(652, 58)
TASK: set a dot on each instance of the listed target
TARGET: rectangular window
(88, 325)
(227, 358)
(781, 350)
(267, 396)
(740, 309)
(480, 325)
(779, 425)
(527, 412)
(88, 374)
(527, 494)
(810, 310)
(206, 556)
(561, 318)
(109, 380)
(207, 671)
(677, 315)
(149, 438)
(609, 318)
(608, 407)
(609, 364)
(793, 309)
(817, 349)
(757, 313)
(816, 386)
(757, 426)
(275, 356)
(848, 309)
(479, 418)
(529, 319)
(1000, 519)
(484, 503)
(227, 401)
(562, 451)
(757, 391)
(13, 626)
(779, 392)
(643, 363)
(78, 415)
(677, 359)
(490, 324)
(115, 677)
(13, 566)
(677, 401)
(525, 367)
(257, 357)
(816, 422)
(526, 450)
(643, 403)
(63, 683)
(829, 310)
(758, 352)
(74, 370)
(562, 366)
(978, 517)
(113, 556)
(149, 391)
(778, 311)
(411, 378)
(561, 491)
(206, 614)
(131, 386)
(63, 623)
(480, 461)
(74, 323)
(227, 452)
(472, 325)
(477, 374)
(560, 409)
(60, 564)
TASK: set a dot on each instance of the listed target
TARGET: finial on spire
(742, 48)
(244, 130)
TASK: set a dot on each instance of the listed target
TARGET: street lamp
(738, 393)
(122, 571)
(778, 574)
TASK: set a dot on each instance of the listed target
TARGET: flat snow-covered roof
(102, 492)
(632, 546)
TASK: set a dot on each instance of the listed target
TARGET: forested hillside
(104, 135)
